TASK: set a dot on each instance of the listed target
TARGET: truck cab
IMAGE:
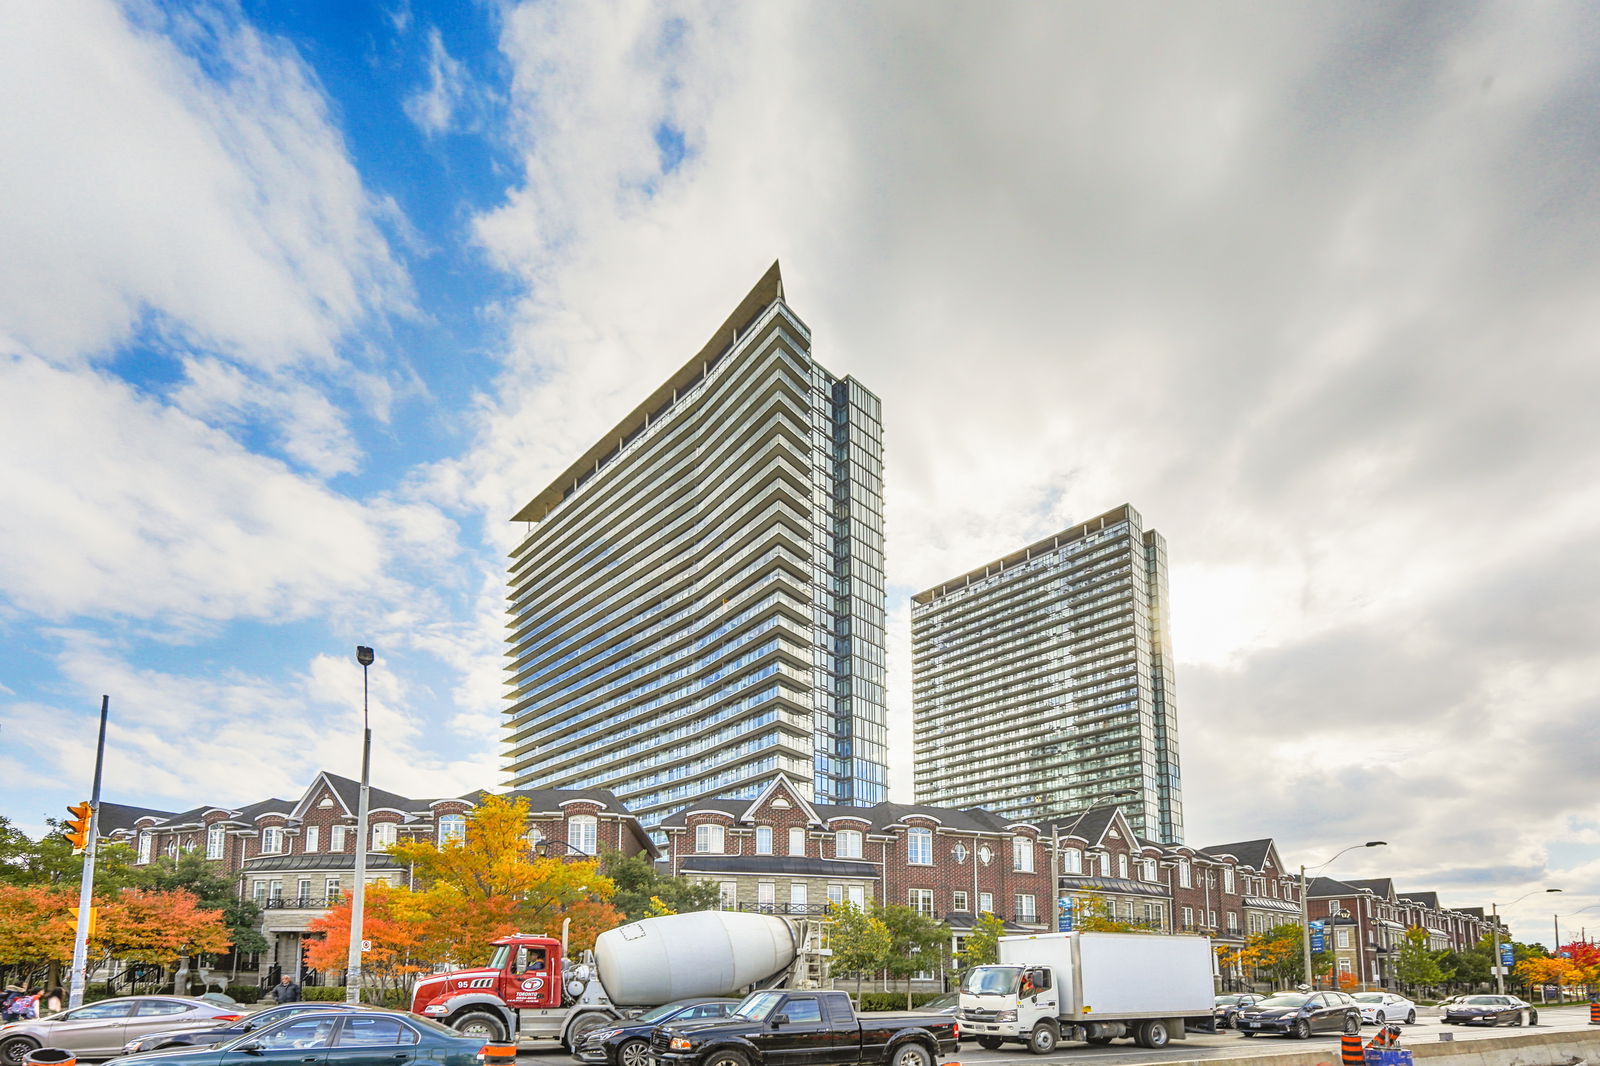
(527, 989)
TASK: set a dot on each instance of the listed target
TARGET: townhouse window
(302, 890)
(1227, 879)
(1022, 855)
(583, 834)
(986, 902)
(384, 834)
(729, 893)
(921, 900)
(847, 844)
(534, 838)
(338, 838)
(958, 900)
(1072, 861)
(797, 894)
(147, 843)
(216, 837)
(1233, 920)
(1188, 917)
(258, 891)
(275, 889)
(1333, 906)
(1025, 910)
(332, 889)
(919, 847)
(271, 840)
(1150, 872)
(763, 840)
(452, 828)
(1105, 864)
(708, 839)
(1185, 875)
(1211, 919)
(1122, 867)
(313, 839)
(856, 894)
(797, 840)
(766, 896)
(1344, 938)
(835, 894)
(172, 848)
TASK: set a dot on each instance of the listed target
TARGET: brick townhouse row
(297, 857)
(780, 853)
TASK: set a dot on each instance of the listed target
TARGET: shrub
(323, 993)
(894, 1000)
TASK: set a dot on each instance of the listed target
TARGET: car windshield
(1225, 1001)
(1484, 1001)
(1369, 997)
(940, 1002)
(1283, 999)
(666, 1010)
(757, 1005)
(991, 980)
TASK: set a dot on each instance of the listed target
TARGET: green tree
(859, 940)
(918, 943)
(639, 884)
(982, 946)
(1416, 965)
(213, 889)
(50, 861)
(1469, 967)
(1092, 913)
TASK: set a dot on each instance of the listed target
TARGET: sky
(300, 301)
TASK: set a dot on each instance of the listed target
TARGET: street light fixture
(1494, 959)
(358, 895)
(1305, 903)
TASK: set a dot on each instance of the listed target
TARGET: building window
(275, 889)
(1149, 870)
(1344, 938)
(331, 889)
(1233, 921)
(259, 891)
(312, 839)
(1022, 854)
(1025, 911)
(172, 848)
(958, 900)
(452, 828)
(1227, 879)
(921, 900)
(797, 893)
(708, 839)
(583, 834)
(729, 892)
(986, 902)
(835, 894)
(1333, 906)
(271, 840)
(919, 847)
(1105, 864)
(1122, 867)
(797, 840)
(766, 896)
(384, 835)
(216, 837)
(763, 840)
(847, 844)
(147, 843)
(1185, 877)
(1188, 917)
(856, 894)
(337, 837)
(302, 891)
(1072, 861)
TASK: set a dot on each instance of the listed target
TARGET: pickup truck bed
(806, 1029)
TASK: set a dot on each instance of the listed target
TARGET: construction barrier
(1594, 1014)
(50, 1056)
(1388, 1056)
(1386, 1036)
(1350, 1051)
(498, 1054)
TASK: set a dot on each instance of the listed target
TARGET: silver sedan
(99, 1030)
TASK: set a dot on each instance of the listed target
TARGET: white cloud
(434, 108)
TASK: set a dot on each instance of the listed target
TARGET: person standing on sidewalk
(286, 991)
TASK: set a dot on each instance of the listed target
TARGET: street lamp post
(358, 896)
(1305, 903)
(1556, 918)
(1494, 959)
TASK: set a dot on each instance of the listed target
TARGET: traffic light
(78, 826)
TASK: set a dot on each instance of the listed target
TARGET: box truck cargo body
(1093, 987)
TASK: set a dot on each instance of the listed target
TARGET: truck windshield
(497, 961)
(757, 1005)
(991, 980)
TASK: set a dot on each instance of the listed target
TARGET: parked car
(1299, 1014)
(627, 1043)
(1380, 1008)
(1228, 1006)
(203, 1034)
(944, 1003)
(1490, 1010)
(99, 1030)
(331, 1038)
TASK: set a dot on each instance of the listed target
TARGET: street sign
(1063, 915)
(1318, 943)
(366, 945)
(1507, 955)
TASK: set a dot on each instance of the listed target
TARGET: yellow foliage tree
(1551, 971)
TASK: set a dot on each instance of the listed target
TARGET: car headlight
(435, 1008)
(603, 1034)
(1005, 1016)
(679, 1043)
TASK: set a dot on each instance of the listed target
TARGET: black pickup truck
(805, 1029)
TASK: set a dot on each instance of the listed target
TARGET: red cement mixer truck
(531, 989)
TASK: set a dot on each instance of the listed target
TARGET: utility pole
(358, 900)
(80, 942)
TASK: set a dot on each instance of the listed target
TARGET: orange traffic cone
(1350, 1053)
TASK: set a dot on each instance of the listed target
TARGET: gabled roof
(1251, 853)
(1426, 899)
(1382, 887)
(249, 813)
(879, 817)
(1328, 888)
(781, 783)
(1093, 824)
(120, 817)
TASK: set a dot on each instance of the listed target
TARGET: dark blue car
(330, 1038)
(201, 1036)
(627, 1043)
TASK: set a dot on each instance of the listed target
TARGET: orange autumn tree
(36, 926)
(1549, 971)
(483, 886)
(155, 926)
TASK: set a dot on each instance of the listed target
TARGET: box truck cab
(1093, 987)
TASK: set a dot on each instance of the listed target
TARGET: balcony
(299, 903)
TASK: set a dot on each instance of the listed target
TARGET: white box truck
(1093, 987)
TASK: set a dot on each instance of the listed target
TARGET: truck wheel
(1042, 1040)
(990, 1043)
(635, 1052)
(480, 1024)
(726, 1057)
(1153, 1034)
(912, 1055)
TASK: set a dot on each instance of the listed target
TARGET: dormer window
(583, 831)
(708, 839)
(919, 846)
(763, 840)
(271, 840)
(147, 843)
(452, 828)
(847, 844)
(216, 838)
